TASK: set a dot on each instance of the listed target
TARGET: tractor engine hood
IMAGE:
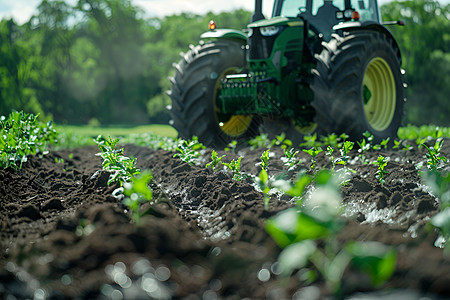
(276, 21)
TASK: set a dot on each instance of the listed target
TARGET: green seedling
(235, 167)
(313, 152)
(265, 160)
(232, 147)
(281, 141)
(21, 135)
(333, 140)
(307, 235)
(122, 168)
(364, 146)
(329, 153)
(345, 150)
(435, 161)
(290, 159)
(263, 183)
(137, 192)
(260, 141)
(383, 145)
(381, 163)
(189, 150)
(310, 141)
(215, 160)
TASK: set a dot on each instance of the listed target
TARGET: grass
(72, 136)
(117, 130)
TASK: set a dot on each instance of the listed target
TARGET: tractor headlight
(270, 31)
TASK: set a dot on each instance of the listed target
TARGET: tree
(425, 45)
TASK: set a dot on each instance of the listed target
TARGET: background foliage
(101, 61)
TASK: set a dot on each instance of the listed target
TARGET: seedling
(346, 148)
(280, 140)
(334, 140)
(263, 183)
(290, 159)
(231, 147)
(215, 160)
(298, 230)
(435, 161)
(122, 168)
(364, 146)
(235, 167)
(189, 151)
(21, 135)
(265, 160)
(381, 164)
(313, 152)
(329, 153)
(383, 145)
(137, 192)
(310, 141)
(260, 141)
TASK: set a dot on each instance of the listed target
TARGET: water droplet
(40, 294)
(162, 273)
(66, 279)
(264, 275)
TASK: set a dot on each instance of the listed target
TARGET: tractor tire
(195, 87)
(358, 86)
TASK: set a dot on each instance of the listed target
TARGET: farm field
(64, 234)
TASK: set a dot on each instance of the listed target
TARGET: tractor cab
(324, 15)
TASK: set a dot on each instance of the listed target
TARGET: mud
(64, 234)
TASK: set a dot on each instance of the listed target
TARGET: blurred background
(102, 62)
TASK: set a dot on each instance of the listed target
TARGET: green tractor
(314, 67)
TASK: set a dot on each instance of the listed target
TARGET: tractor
(314, 67)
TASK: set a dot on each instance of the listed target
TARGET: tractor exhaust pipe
(257, 15)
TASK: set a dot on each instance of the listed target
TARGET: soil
(64, 234)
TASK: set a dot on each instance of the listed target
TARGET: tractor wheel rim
(233, 126)
(379, 94)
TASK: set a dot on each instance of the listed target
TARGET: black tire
(348, 67)
(194, 88)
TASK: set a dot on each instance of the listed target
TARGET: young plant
(235, 167)
(137, 192)
(21, 135)
(232, 147)
(435, 161)
(364, 146)
(381, 163)
(260, 141)
(280, 140)
(265, 160)
(310, 141)
(313, 152)
(383, 145)
(345, 150)
(122, 168)
(307, 235)
(263, 183)
(290, 159)
(215, 160)
(189, 151)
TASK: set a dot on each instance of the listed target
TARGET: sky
(22, 10)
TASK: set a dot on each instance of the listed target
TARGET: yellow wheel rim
(233, 126)
(379, 94)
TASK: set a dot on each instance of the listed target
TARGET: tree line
(102, 61)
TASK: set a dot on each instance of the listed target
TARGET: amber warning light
(212, 25)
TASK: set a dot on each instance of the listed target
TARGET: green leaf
(295, 256)
(374, 258)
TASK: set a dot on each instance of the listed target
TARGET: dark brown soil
(64, 234)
